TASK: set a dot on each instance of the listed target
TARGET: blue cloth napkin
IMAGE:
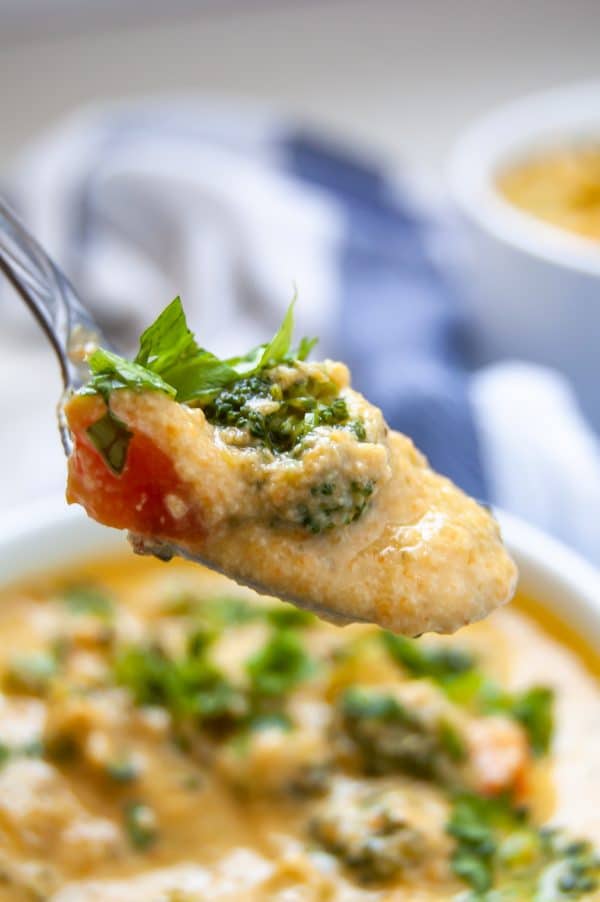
(400, 329)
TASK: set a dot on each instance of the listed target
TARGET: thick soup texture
(345, 516)
(166, 735)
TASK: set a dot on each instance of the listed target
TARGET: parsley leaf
(280, 665)
(278, 348)
(187, 686)
(167, 341)
(110, 372)
(473, 824)
(170, 360)
(501, 854)
(439, 663)
(111, 437)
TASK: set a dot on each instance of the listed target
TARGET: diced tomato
(499, 755)
(134, 499)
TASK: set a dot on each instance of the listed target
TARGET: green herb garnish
(440, 663)
(86, 598)
(141, 826)
(280, 665)
(456, 671)
(111, 437)
(291, 413)
(190, 686)
(170, 360)
(500, 854)
(286, 616)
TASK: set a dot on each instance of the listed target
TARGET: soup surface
(561, 187)
(166, 735)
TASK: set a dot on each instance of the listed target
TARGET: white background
(403, 75)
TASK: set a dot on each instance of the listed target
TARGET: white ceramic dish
(52, 535)
(534, 289)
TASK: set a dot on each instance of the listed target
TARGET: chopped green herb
(111, 372)
(170, 360)
(451, 741)
(441, 663)
(111, 438)
(86, 598)
(358, 428)
(123, 770)
(500, 854)
(286, 616)
(188, 687)
(213, 613)
(280, 665)
(141, 825)
(472, 825)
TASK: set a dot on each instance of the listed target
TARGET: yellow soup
(166, 735)
(561, 187)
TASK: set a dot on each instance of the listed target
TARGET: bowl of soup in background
(532, 286)
(51, 537)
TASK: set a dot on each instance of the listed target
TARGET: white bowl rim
(65, 535)
(507, 131)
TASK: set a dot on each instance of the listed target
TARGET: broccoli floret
(369, 837)
(390, 738)
(279, 418)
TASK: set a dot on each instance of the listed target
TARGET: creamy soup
(561, 187)
(288, 480)
(166, 735)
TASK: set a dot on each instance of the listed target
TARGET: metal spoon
(52, 300)
(71, 329)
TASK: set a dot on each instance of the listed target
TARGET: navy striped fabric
(400, 329)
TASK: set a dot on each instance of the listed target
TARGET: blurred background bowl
(533, 289)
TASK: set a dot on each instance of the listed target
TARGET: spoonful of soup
(266, 466)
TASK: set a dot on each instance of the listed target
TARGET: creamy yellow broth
(273, 811)
(561, 187)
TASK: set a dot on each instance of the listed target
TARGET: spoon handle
(49, 295)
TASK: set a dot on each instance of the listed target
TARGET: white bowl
(52, 535)
(533, 289)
